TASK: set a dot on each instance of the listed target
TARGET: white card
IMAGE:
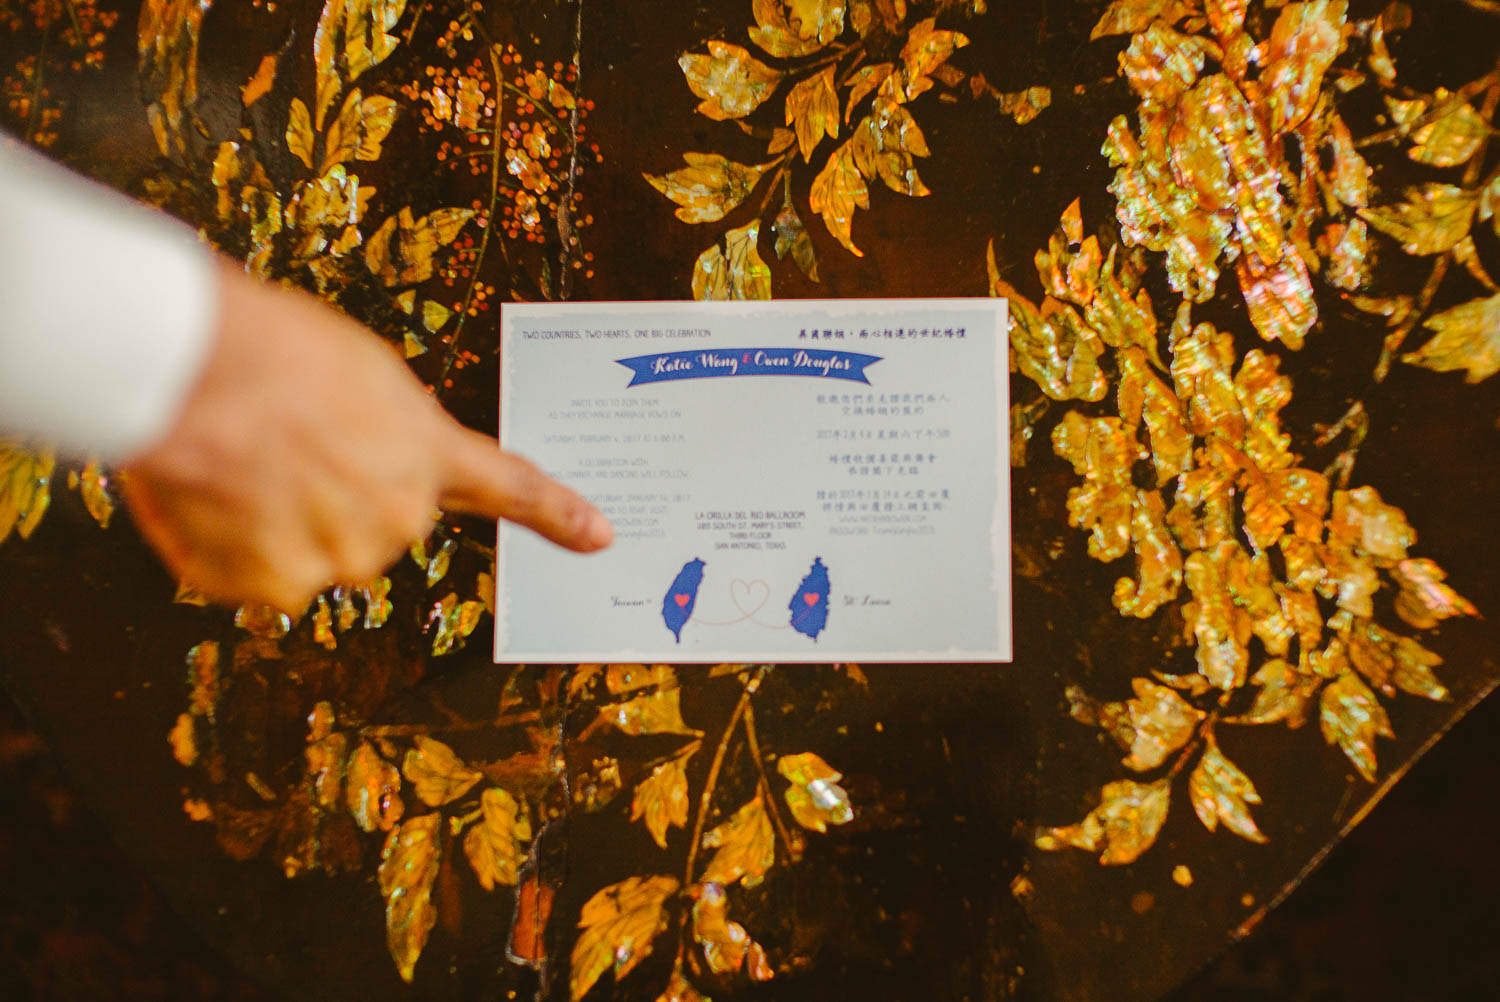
(793, 480)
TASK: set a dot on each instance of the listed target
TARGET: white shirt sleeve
(107, 311)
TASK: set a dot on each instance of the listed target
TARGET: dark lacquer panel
(1249, 250)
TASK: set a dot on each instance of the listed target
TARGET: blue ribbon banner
(707, 363)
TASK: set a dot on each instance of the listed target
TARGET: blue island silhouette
(809, 604)
(677, 604)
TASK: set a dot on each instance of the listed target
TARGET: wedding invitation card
(794, 480)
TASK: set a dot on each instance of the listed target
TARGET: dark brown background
(106, 892)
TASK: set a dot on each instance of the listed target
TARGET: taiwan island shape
(809, 605)
(677, 604)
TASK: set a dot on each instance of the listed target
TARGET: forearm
(106, 311)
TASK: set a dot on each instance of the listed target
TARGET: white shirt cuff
(107, 311)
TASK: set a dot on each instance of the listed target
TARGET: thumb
(480, 479)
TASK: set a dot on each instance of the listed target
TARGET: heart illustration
(681, 600)
(810, 597)
(749, 596)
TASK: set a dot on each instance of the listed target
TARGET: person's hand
(308, 454)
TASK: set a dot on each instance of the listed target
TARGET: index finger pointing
(482, 480)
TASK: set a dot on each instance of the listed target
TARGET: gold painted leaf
(927, 47)
(1350, 174)
(812, 108)
(323, 625)
(1284, 694)
(653, 713)
(1161, 63)
(484, 584)
(1489, 203)
(865, 80)
(1121, 313)
(1226, 17)
(619, 924)
(1201, 361)
(788, 28)
(1159, 722)
(1395, 309)
(25, 487)
(439, 562)
(735, 272)
(1466, 253)
(377, 602)
(724, 943)
(167, 33)
(892, 14)
(332, 202)
(1143, 395)
(494, 844)
(372, 790)
(1412, 671)
(203, 677)
(1468, 338)
(746, 844)
(884, 143)
(1158, 574)
(662, 797)
(1345, 248)
(1279, 297)
(837, 191)
(326, 758)
(455, 621)
(437, 775)
(792, 237)
(1052, 346)
(815, 797)
(351, 37)
(1220, 791)
(1424, 599)
(1123, 826)
(731, 81)
(1433, 218)
(92, 484)
(361, 127)
(1025, 105)
(1156, 213)
(225, 170)
(1450, 140)
(781, 141)
(1352, 717)
(709, 186)
(262, 621)
(434, 315)
(1304, 41)
(299, 133)
(408, 869)
(259, 84)
(1362, 520)
(820, 19)
(1126, 17)
(622, 678)
(183, 739)
(1221, 653)
(1104, 503)
(401, 251)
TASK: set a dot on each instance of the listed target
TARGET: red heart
(681, 600)
(810, 597)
